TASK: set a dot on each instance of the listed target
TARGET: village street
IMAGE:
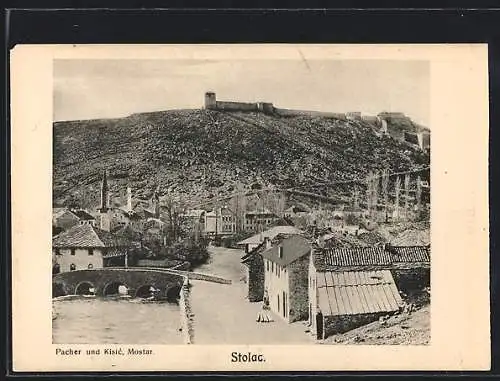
(222, 314)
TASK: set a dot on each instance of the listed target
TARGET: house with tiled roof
(254, 264)
(251, 242)
(285, 276)
(85, 218)
(350, 287)
(64, 218)
(87, 247)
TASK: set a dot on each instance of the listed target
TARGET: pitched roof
(293, 248)
(270, 233)
(335, 259)
(357, 292)
(83, 215)
(345, 257)
(256, 250)
(88, 236)
(410, 253)
(57, 212)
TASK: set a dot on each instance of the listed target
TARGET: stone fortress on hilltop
(420, 138)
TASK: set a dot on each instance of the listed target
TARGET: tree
(385, 188)
(397, 187)
(407, 194)
(174, 212)
(418, 195)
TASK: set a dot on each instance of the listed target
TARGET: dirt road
(222, 314)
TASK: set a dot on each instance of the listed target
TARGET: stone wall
(207, 278)
(255, 279)
(80, 258)
(321, 114)
(236, 106)
(299, 299)
(333, 325)
(132, 278)
(186, 313)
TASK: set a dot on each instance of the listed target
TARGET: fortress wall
(236, 106)
(290, 112)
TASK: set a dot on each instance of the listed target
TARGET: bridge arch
(144, 291)
(114, 288)
(83, 288)
(58, 289)
(173, 293)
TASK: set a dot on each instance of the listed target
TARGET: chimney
(129, 199)
(268, 242)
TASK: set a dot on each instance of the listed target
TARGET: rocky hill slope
(201, 154)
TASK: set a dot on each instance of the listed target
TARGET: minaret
(104, 193)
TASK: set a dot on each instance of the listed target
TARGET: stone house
(285, 277)
(67, 218)
(351, 287)
(221, 221)
(252, 242)
(84, 217)
(254, 263)
(295, 212)
(87, 247)
(259, 220)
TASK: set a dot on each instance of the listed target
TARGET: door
(284, 304)
(319, 326)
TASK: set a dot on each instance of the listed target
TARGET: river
(115, 321)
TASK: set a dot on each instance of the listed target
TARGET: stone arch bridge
(106, 281)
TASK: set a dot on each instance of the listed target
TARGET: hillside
(402, 329)
(198, 154)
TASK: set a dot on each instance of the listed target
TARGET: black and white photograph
(257, 201)
(250, 207)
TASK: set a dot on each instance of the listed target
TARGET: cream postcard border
(460, 337)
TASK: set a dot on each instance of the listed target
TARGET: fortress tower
(210, 100)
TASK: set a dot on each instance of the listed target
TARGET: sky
(91, 89)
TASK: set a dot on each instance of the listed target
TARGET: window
(272, 266)
(72, 267)
(72, 251)
(267, 265)
(280, 251)
(91, 251)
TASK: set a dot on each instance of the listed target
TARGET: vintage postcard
(250, 207)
